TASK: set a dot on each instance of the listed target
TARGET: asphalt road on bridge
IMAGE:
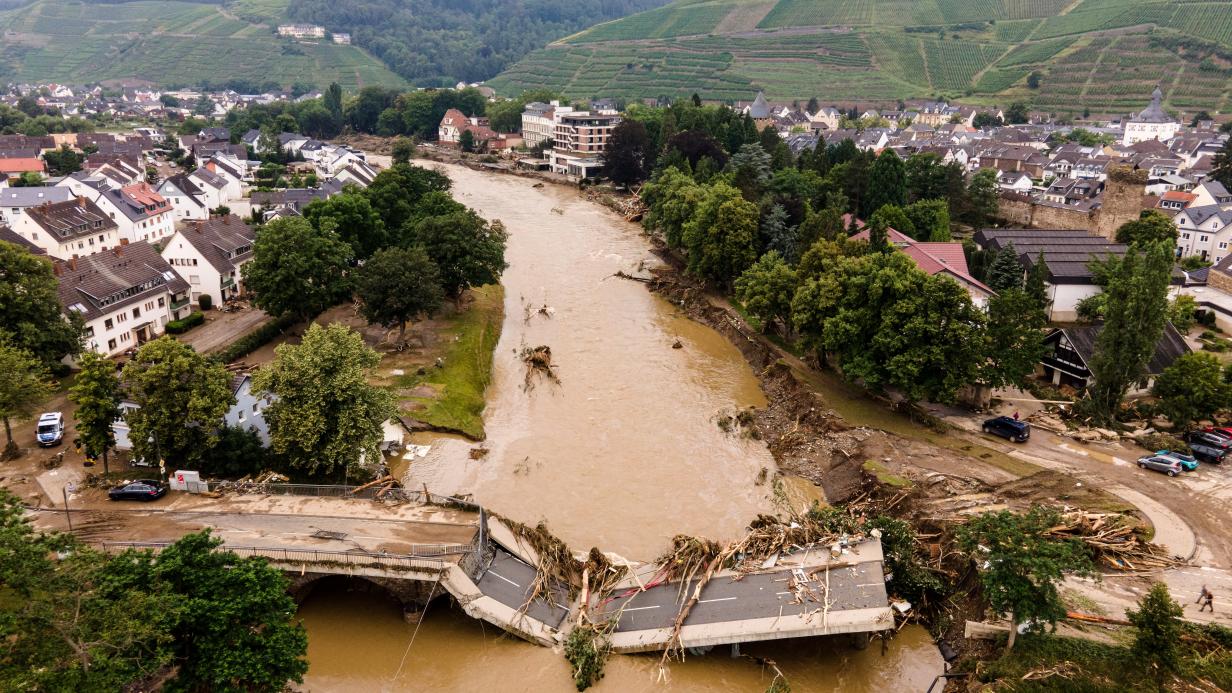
(759, 595)
(508, 580)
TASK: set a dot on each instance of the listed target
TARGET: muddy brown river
(624, 452)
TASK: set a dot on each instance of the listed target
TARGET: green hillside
(1106, 55)
(172, 43)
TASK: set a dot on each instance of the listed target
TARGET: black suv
(1006, 427)
(1213, 440)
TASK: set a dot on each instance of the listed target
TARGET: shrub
(185, 324)
(1162, 441)
(206, 302)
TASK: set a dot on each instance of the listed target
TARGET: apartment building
(579, 141)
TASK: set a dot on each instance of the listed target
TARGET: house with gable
(74, 228)
(126, 296)
(140, 212)
(946, 259)
(185, 197)
(15, 201)
(209, 255)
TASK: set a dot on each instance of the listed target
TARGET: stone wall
(1121, 203)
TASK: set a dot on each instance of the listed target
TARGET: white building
(209, 254)
(185, 197)
(539, 121)
(65, 230)
(126, 296)
(301, 31)
(248, 411)
(1204, 231)
(1151, 124)
(140, 212)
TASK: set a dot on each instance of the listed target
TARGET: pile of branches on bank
(1113, 540)
(538, 360)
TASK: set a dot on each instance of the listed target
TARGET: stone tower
(1122, 200)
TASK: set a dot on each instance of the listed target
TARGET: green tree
(1006, 271)
(1020, 564)
(1222, 165)
(235, 628)
(97, 394)
(398, 285)
(1015, 338)
(629, 155)
(1191, 389)
(326, 415)
(766, 289)
(931, 220)
(24, 386)
(181, 400)
(63, 161)
(297, 270)
(1150, 226)
(1017, 113)
(719, 239)
(30, 309)
(332, 100)
(671, 198)
(752, 167)
(1036, 284)
(1182, 313)
(403, 151)
(824, 224)
(1136, 300)
(1158, 631)
(351, 216)
(887, 183)
(983, 196)
(469, 250)
(396, 191)
(466, 141)
(66, 622)
(893, 217)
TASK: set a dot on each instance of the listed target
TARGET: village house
(209, 254)
(185, 197)
(579, 143)
(73, 228)
(126, 296)
(13, 168)
(1068, 352)
(301, 31)
(1009, 158)
(140, 212)
(248, 412)
(1204, 231)
(946, 258)
(1151, 124)
(14, 201)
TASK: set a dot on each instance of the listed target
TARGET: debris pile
(1113, 540)
(538, 360)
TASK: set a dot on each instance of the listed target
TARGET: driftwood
(375, 482)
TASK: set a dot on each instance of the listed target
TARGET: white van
(50, 429)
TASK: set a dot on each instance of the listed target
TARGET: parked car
(1006, 427)
(141, 489)
(1208, 453)
(1188, 462)
(50, 429)
(1166, 465)
(1220, 430)
(1212, 439)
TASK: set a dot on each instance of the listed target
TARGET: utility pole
(67, 516)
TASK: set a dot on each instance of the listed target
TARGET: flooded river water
(623, 453)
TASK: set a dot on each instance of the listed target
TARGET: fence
(422, 556)
(341, 491)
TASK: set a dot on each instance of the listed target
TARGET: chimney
(81, 201)
(57, 268)
(72, 263)
(226, 220)
(123, 241)
(117, 252)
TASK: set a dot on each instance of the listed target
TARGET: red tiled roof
(1179, 196)
(22, 165)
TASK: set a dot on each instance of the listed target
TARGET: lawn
(458, 387)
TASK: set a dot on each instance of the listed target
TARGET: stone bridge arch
(412, 595)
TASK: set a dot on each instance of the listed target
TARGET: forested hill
(1062, 55)
(439, 42)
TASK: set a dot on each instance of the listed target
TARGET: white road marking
(493, 572)
(639, 608)
(720, 599)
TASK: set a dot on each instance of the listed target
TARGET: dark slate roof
(1066, 252)
(104, 282)
(28, 197)
(1169, 348)
(760, 109)
(1155, 112)
(76, 218)
(10, 236)
(223, 241)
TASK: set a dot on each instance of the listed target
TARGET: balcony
(228, 282)
(178, 304)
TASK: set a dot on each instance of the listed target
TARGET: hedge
(254, 340)
(206, 301)
(185, 324)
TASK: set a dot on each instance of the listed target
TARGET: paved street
(753, 596)
(222, 328)
(508, 581)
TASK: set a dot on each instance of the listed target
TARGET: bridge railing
(422, 556)
(342, 491)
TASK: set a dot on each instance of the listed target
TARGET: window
(89, 332)
(1203, 238)
(162, 301)
(136, 313)
(1185, 236)
(1223, 245)
(107, 324)
(111, 344)
(240, 416)
(194, 279)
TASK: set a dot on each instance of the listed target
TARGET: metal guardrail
(429, 556)
(340, 491)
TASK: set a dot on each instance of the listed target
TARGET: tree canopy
(30, 307)
(1192, 388)
(24, 385)
(351, 216)
(468, 250)
(96, 392)
(325, 415)
(398, 285)
(297, 270)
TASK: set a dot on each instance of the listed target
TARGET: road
(753, 596)
(222, 328)
(509, 580)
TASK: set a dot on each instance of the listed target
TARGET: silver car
(1166, 465)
